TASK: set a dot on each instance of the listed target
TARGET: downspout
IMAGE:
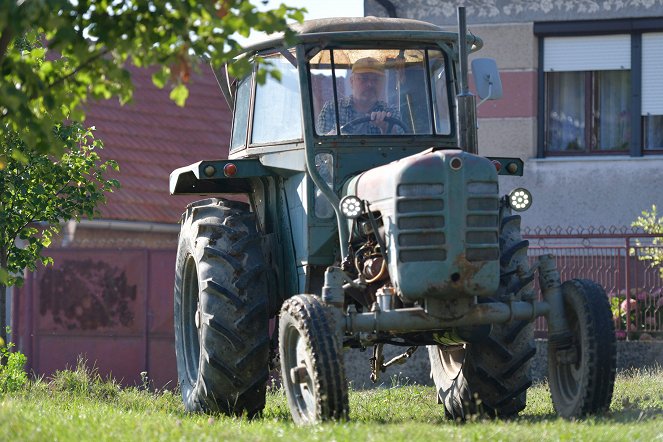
(132, 226)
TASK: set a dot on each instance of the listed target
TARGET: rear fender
(216, 176)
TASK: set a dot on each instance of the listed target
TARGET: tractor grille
(421, 222)
(481, 234)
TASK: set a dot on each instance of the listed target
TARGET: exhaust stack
(466, 121)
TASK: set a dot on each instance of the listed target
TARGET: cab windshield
(380, 92)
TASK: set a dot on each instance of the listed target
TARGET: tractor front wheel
(311, 362)
(582, 370)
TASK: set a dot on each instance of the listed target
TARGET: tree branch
(64, 78)
(78, 69)
(32, 218)
(5, 38)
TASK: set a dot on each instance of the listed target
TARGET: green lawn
(78, 406)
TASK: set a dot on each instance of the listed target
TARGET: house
(582, 104)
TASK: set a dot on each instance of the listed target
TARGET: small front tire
(311, 362)
(582, 371)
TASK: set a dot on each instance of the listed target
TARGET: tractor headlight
(520, 199)
(351, 207)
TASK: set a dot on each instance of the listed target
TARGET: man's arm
(326, 121)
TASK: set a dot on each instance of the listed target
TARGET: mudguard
(217, 176)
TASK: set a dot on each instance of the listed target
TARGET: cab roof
(345, 24)
(325, 28)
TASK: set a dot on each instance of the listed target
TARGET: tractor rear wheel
(582, 371)
(221, 316)
(490, 376)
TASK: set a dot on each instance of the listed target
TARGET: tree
(57, 54)
(40, 192)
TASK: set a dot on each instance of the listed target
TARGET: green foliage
(39, 192)
(57, 54)
(651, 223)
(84, 381)
(13, 377)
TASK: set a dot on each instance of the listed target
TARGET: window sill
(595, 158)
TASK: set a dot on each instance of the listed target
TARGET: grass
(78, 405)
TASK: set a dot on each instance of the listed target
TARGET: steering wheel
(391, 122)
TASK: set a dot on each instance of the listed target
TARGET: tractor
(364, 216)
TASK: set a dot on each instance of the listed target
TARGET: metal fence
(115, 306)
(616, 260)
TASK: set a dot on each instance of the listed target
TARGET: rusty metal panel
(87, 293)
(160, 295)
(161, 362)
(119, 356)
(92, 303)
(113, 307)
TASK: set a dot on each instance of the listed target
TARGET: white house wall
(589, 192)
(512, 11)
(568, 191)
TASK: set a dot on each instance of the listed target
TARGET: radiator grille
(421, 222)
(481, 235)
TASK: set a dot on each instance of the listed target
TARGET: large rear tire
(490, 377)
(221, 317)
(582, 372)
(311, 362)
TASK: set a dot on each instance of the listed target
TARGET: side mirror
(487, 79)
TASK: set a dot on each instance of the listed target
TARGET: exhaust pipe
(466, 120)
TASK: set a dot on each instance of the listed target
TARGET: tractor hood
(440, 212)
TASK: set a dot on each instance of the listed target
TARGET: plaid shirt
(326, 124)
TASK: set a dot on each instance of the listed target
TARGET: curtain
(612, 113)
(566, 111)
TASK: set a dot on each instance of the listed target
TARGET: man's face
(367, 86)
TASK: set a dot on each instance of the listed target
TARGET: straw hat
(367, 65)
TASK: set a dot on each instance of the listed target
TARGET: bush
(649, 222)
(12, 370)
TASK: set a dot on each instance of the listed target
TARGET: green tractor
(371, 220)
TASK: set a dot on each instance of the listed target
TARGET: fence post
(627, 283)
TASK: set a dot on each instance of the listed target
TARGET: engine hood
(440, 212)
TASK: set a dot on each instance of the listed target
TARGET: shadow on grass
(392, 406)
(623, 416)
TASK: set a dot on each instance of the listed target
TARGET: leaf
(179, 94)
(160, 77)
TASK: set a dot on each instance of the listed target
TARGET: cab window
(380, 92)
(242, 101)
(277, 115)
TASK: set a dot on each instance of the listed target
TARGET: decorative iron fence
(614, 258)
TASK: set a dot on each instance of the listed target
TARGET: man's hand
(377, 119)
